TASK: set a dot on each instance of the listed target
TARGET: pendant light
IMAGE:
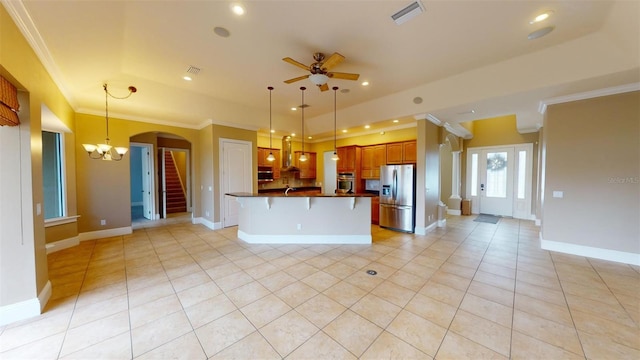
(335, 156)
(270, 157)
(106, 151)
(303, 157)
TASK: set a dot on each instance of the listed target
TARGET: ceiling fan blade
(324, 87)
(296, 63)
(296, 79)
(332, 61)
(345, 76)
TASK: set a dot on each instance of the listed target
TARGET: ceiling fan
(320, 73)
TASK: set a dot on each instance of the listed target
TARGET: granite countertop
(294, 188)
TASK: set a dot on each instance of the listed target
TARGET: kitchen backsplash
(287, 178)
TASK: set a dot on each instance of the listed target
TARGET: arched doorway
(161, 182)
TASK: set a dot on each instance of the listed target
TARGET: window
(522, 172)
(53, 175)
(474, 174)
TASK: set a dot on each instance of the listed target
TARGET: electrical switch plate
(299, 226)
(558, 194)
(103, 222)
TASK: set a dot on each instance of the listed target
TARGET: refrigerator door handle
(394, 190)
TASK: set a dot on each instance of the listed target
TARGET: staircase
(176, 201)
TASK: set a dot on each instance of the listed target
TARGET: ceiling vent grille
(193, 70)
(413, 9)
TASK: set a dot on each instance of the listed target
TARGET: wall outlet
(206, 213)
(103, 222)
(299, 227)
(558, 194)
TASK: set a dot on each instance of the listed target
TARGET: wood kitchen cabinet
(401, 152)
(375, 210)
(350, 158)
(275, 164)
(307, 168)
(372, 158)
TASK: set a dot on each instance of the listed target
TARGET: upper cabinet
(275, 164)
(372, 158)
(350, 158)
(307, 168)
(401, 152)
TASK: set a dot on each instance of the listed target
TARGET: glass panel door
(496, 181)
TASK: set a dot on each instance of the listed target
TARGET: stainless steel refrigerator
(397, 197)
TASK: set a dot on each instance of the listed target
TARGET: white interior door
(147, 181)
(237, 176)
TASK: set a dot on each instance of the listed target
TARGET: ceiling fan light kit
(320, 70)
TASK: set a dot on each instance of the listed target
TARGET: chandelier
(106, 151)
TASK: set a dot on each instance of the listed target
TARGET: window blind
(9, 105)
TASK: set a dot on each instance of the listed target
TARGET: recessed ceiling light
(344, 91)
(273, 131)
(188, 78)
(365, 83)
(222, 32)
(237, 9)
(396, 120)
(542, 17)
(294, 109)
(540, 32)
(417, 100)
(367, 126)
(309, 137)
(381, 132)
(293, 134)
(344, 131)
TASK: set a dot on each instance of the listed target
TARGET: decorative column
(454, 199)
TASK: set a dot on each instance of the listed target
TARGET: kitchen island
(304, 219)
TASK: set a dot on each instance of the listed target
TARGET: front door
(499, 180)
(237, 176)
(496, 181)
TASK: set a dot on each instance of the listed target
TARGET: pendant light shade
(270, 157)
(335, 156)
(303, 156)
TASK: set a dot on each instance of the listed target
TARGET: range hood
(287, 155)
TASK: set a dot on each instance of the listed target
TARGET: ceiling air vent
(413, 9)
(193, 70)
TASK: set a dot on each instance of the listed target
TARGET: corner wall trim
(424, 231)
(211, 225)
(92, 235)
(62, 244)
(45, 295)
(25, 309)
(591, 252)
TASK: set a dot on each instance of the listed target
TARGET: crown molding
(23, 20)
(542, 108)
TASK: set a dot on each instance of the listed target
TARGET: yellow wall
(103, 187)
(20, 65)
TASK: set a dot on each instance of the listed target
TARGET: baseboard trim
(25, 309)
(62, 244)
(100, 234)
(211, 225)
(425, 230)
(442, 223)
(304, 239)
(591, 252)
(454, 212)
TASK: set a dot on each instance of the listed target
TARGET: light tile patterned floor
(468, 291)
